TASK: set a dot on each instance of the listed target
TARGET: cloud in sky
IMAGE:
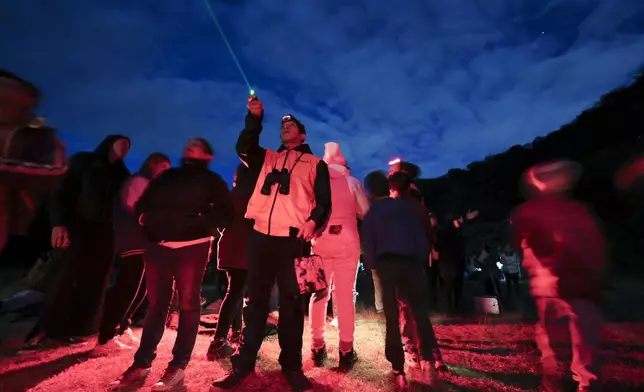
(440, 83)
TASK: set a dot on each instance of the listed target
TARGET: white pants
(341, 256)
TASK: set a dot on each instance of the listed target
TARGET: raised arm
(248, 148)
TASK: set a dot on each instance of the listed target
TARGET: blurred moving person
(565, 256)
(33, 160)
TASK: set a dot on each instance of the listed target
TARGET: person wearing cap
(33, 160)
(565, 256)
(339, 247)
(290, 204)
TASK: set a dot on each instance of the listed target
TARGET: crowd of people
(285, 204)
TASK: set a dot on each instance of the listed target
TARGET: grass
(498, 356)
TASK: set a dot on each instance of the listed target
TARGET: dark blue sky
(440, 83)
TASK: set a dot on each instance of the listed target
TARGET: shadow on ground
(28, 377)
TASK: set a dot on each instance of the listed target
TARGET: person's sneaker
(132, 377)
(112, 345)
(428, 374)
(318, 355)
(36, 343)
(400, 380)
(130, 336)
(230, 382)
(172, 378)
(348, 360)
(219, 349)
(297, 380)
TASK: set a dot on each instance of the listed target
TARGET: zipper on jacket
(277, 191)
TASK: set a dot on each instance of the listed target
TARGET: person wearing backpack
(180, 211)
(565, 255)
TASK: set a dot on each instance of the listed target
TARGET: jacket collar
(304, 147)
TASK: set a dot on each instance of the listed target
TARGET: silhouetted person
(451, 263)
(231, 257)
(81, 216)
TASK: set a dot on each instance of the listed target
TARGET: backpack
(33, 159)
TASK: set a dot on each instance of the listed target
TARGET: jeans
(185, 266)
(584, 325)
(404, 279)
(124, 298)
(230, 314)
(272, 259)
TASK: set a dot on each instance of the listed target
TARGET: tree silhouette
(602, 139)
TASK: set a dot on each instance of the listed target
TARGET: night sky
(437, 82)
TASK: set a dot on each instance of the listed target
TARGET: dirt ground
(499, 355)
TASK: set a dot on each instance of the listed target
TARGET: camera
(282, 178)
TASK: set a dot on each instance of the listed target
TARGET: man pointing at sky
(290, 203)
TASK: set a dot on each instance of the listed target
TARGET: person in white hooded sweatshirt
(339, 248)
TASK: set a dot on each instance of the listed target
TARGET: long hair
(152, 160)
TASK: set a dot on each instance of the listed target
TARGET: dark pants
(230, 314)
(453, 291)
(404, 278)
(186, 267)
(512, 280)
(272, 259)
(78, 294)
(124, 298)
(432, 279)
